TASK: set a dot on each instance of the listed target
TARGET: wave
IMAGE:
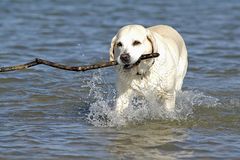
(102, 114)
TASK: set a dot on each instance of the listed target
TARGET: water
(53, 114)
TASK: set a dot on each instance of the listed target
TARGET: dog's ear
(111, 50)
(152, 40)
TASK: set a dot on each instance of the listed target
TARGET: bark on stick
(38, 61)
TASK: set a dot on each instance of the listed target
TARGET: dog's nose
(125, 57)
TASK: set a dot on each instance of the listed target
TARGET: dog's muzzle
(129, 66)
(126, 59)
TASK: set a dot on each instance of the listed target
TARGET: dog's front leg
(169, 101)
(123, 100)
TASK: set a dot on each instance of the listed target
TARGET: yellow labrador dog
(156, 79)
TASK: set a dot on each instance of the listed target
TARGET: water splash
(102, 113)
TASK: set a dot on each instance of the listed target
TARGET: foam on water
(102, 113)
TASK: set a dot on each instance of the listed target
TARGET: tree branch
(38, 61)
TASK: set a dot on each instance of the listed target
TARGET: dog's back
(168, 32)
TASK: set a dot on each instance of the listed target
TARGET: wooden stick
(38, 61)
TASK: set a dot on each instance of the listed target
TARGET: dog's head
(130, 43)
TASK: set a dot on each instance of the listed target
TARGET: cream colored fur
(156, 79)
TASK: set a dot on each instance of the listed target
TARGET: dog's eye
(119, 44)
(135, 43)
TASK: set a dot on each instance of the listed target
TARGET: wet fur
(156, 79)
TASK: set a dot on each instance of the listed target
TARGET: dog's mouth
(130, 66)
